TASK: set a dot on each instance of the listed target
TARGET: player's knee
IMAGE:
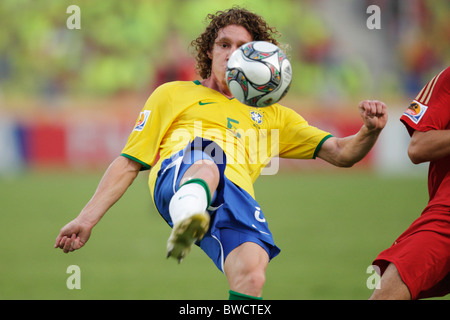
(208, 171)
(249, 282)
(256, 280)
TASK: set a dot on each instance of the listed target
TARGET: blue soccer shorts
(235, 216)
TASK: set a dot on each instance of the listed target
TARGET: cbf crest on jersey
(257, 116)
(415, 111)
(142, 121)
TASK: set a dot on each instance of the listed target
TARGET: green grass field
(329, 227)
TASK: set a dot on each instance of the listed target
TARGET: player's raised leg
(188, 207)
(245, 268)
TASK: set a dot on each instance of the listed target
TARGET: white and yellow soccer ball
(258, 74)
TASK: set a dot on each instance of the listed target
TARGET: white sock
(188, 200)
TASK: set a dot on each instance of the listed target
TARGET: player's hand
(374, 114)
(73, 236)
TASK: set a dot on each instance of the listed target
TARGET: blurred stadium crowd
(129, 47)
(123, 45)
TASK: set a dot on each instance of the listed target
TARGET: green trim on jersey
(320, 145)
(144, 165)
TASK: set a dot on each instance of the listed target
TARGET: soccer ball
(258, 74)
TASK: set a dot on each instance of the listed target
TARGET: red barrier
(46, 144)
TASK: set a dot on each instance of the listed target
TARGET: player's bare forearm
(345, 152)
(116, 180)
(355, 148)
(428, 146)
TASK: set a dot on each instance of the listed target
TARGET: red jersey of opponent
(430, 110)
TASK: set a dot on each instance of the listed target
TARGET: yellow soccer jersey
(179, 111)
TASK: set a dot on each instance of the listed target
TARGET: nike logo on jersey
(205, 103)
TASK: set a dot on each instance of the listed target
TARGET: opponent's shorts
(422, 256)
(235, 216)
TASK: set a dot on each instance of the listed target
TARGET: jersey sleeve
(153, 122)
(430, 109)
(298, 139)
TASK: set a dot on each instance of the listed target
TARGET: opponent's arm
(428, 146)
(345, 152)
(116, 180)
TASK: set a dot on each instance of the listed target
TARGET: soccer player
(205, 149)
(417, 265)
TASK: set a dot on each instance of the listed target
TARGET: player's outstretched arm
(116, 180)
(345, 152)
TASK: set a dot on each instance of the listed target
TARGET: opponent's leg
(392, 286)
(245, 268)
(188, 207)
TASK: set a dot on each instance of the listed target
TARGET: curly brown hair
(255, 25)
